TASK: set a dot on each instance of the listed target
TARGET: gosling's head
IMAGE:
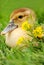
(18, 17)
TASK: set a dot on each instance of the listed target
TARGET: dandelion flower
(20, 40)
(26, 25)
(38, 32)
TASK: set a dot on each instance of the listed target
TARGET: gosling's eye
(20, 17)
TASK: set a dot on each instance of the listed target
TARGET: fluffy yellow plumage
(21, 21)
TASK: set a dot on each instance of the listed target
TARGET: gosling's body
(12, 37)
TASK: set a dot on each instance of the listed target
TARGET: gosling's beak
(11, 26)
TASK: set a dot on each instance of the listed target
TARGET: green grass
(27, 56)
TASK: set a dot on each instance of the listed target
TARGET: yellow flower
(20, 40)
(26, 25)
(38, 32)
